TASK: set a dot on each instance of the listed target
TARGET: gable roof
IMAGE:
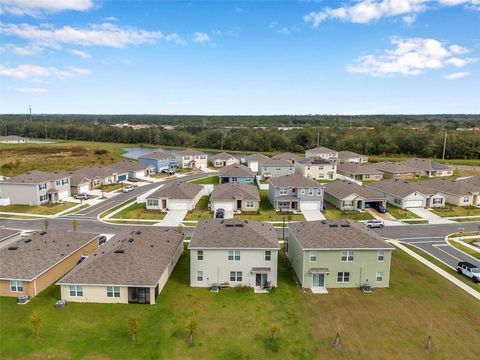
(35, 177)
(289, 156)
(393, 167)
(235, 170)
(400, 188)
(294, 180)
(357, 169)
(32, 258)
(274, 162)
(336, 234)
(455, 187)
(235, 191)
(256, 157)
(6, 233)
(222, 156)
(425, 164)
(147, 253)
(342, 189)
(348, 155)
(190, 152)
(177, 190)
(314, 161)
(322, 150)
(475, 180)
(158, 155)
(234, 234)
(79, 176)
(128, 165)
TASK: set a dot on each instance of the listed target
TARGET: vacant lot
(234, 324)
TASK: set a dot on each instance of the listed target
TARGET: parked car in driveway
(380, 208)
(133, 179)
(220, 214)
(82, 196)
(469, 270)
(128, 188)
(374, 224)
(168, 171)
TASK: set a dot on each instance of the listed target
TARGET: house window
(268, 255)
(379, 276)
(234, 179)
(437, 201)
(234, 255)
(466, 199)
(58, 182)
(76, 290)
(293, 190)
(313, 255)
(16, 285)
(199, 276)
(397, 201)
(42, 186)
(200, 255)
(250, 204)
(347, 256)
(152, 202)
(348, 203)
(381, 255)
(319, 192)
(302, 191)
(64, 181)
(235, 276)
(283, 191)
(113, 291)
(320, 176)
(343, 277)
(310, 192)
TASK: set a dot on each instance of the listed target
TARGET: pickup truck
(469, 270)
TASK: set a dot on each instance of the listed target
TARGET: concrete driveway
(173, 218)
(430, 216)
(312, 215)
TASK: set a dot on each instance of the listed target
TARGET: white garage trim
(63, 195)
(413, 203)
(309, 205)
(226, 205)
(83, 188)
(178, 205)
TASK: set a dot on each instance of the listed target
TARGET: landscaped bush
(100, 152)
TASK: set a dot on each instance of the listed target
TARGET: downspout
(35, 287)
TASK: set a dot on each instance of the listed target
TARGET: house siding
(275, 171)
(317, 171)
(274, 193)
(240, 180)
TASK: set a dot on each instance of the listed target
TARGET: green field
(451, 210)
(235, 324)
(207, 180)
(138, 212)
(201, 211)
(46, 209)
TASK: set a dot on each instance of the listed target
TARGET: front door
(294, 205)
(239, 204)
(164, 204)
(318, 280)
(260, 280)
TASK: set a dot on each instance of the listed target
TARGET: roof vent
(229, 225)
(238, 225)
(344, 225)
(42, 233)
(130, 240)
(324, 222)
(333, 225)
(13, 248)
(27, 241)
(151, 245)
(119, 251)
(138, 232)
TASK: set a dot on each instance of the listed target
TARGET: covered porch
(318, 280)
(287, 203)
(262, 282)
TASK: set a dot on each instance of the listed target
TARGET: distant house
(346, 195)
(352, 157)
(360, 172)
(395, 170)
(234, 253)
(13, 139)
(90, 178)
(161, 160)
(253, 161)
(295, 193)
(271, 168)
(235, 197)
(191, 159)
(223, 159)
(133, 169)
(405, 194)
(175, 196)
(322, 152)
(36, 188)
(288, 156)
(130, 268)
(428, 168)
(338, 254)
(30, 265)
(316, 168)
(236, 173)
(457, 192)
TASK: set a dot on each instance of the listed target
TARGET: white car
(128, 188)
(469, 270)
(374, 223)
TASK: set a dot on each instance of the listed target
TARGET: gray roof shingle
(222, 156)
(177, 190)
(348, 155)
(289, 156)
(424, 164)
(357, 169)
(400, 188)
(455, 187)
(393, 167)
(322, 150)
(158, 155)
(236, 170)
(294, 180)
(36, 177)
(189, 152)
(235, 191)
(342, 189)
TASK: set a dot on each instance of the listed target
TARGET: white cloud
(31, 90)
(37, 7)
(29, 50)
(200, 37)
(36, 72)
(93, 35)
(111, 18)
(409, 57)
(455, 49)
(457, 75)
(80, 53)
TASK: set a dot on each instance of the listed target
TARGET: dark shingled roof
(357, 169)
(342, 189)
(6, 233)
(425, 164)
(142, 262)
(456, 187)
(348, 155)
(402, 188)
(236, 170)
(189, 152)
(289, 156)
(222, 156)
(235, 191)
(36, 177)
(234, 234)
(128, 165)
(256, 157)
(336, 234)
(393, 167)
(322, 150)
(158, 155)
(177, 190)
(294, 180)
(274, 162)
(314, 161)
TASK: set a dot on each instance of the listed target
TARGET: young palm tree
(133, 326)
(35, 324)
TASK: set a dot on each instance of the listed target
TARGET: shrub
(100, 152)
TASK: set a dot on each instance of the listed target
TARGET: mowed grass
(46, 209)
(207, 180)
(234, 324)
(465, 249)
(468, 162)
(331, 212)
(451, 210)
(139, 212)
(399, 213)
(201, 211)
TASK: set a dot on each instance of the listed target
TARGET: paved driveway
(173, 218)
(312, 215)
(430, 216)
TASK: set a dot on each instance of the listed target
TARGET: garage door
(309, 205)
(62, 194)
(83, 188)
(177, 205)
(122, 177)
(223, 205)
(413, 203)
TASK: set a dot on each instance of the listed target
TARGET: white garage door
(309, 205)
(62, 195)
(177, 205)
(83, 188)
(223, 205)
(413, 203)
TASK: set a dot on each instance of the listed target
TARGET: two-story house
(338, 254)
(191, 159)
(223, 159)
(253, 161)
(322, 152)
(236, 173)
(234, 253)
(316, 168)
(162, 160)
(352, 157)
(295, 193)
(271, 168)
(36, 188)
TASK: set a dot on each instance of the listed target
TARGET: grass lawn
(46, 209)
(416, 222)
(331, 212)
(451, 210)
(138, 211)
(469, 162)
(112, 187)
(399, 213)
(266, 212)
(307, 323)
(467, 219)
(207, 180)
(201, 211)
(465, 249)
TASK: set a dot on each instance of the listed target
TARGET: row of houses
(184, 159)
(135, 264)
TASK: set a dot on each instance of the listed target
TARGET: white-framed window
(199, 276)
(379, 276)
(381, 255)
(200, 255)
(58, 182)
(437, 201)
(310, 192)
(234, 178)
(64, 181)
(76, 290)
(113, 291)
(321, 176)
(16, 285)
(319, 192)
(283, 191)
(343, 277)
(250, 204)
(348, 203)
(152, 202)
(347, 256)
(234, 255)
(236, 276)
(302, 191)
(42, 186)
(268, 255)
(466, 199)
(313, 255)
(397, 201)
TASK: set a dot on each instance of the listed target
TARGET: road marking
(424, 242)
(437, 247)
(425, 237)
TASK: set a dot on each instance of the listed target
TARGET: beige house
(175, 196)
(352, 157)
(13, 139)
(254, 160)
(316, 168)
(360, 172)
(235, 197)
(457, 192)
(346, 195)
(33, 263)
(322, 152)
(234, 253)
(223, 159)
(428, 168)
(395, 170)
(191, 159)
(132, 267)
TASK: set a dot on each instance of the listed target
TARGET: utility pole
(46, 133)
(30, 109)
(318, 137)
(223, 135)
(444, 145)
(149, 136)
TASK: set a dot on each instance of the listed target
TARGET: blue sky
(195, 57)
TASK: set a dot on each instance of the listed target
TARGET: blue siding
(240, 180)
(159, 164)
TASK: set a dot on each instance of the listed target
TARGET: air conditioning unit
(23, 299)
